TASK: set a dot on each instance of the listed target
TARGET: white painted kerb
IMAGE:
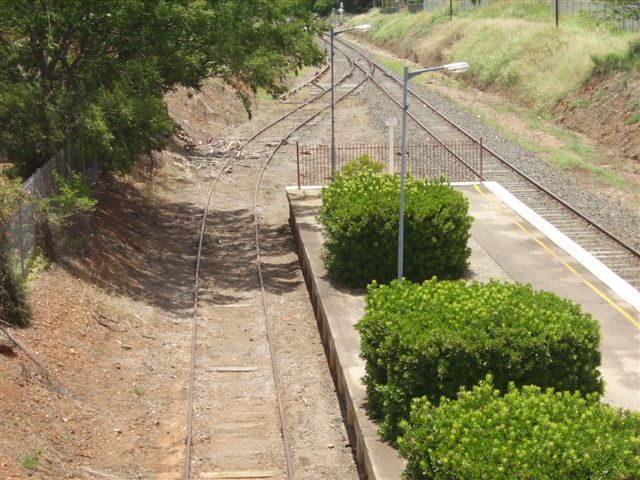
(595, 266)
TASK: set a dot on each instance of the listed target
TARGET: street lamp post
(335, 33)
(458, 67)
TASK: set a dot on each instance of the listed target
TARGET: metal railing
(21, 229)
(456, 161)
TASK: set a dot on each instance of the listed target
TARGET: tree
(624, 9)
(92, 73)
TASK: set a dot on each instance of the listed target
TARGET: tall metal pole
(403, 166)
(333, 115)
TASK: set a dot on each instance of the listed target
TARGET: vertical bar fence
(455, 161)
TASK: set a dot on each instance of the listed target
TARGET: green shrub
(63, 217)
(527, 434)
(431, 339)
(614, 62)
(362, 164)
(13, 306)
(359, 216)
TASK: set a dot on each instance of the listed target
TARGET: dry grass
(534, 62)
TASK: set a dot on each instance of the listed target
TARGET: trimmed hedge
(359, 215)
(431, 339)
(527, 434)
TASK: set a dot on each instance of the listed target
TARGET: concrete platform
(505, 246)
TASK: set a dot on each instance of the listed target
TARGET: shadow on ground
(141, 249)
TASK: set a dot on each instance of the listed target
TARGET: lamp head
(364, 27)
(457, 67)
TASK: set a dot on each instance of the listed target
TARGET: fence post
(298, 162)
(481, 160)
(390, 123)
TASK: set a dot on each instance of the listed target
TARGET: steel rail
(308, 102)
(413, 117)
(516, 170)
(256, 223)
(192, 364)
(194, 325)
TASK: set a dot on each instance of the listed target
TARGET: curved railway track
(276, 136)
(618, 254)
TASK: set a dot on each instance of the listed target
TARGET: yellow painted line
(599, 292)
(611, 302)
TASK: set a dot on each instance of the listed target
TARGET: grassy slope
(515, 50)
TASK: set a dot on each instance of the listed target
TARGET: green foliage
(63, 216)
(525, 434)
(73, 197)
(92, 74)
(10, 195)
(618, 62)
(623, 9)
(633, 119)
(431, 339)
(359, 216)
(30, 461)
(362, 164)
(13, 306)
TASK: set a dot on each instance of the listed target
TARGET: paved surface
(504, 246)
(527, 256)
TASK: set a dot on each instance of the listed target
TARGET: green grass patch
(633, 119)
(31, 461)
(580, 103)
(564, 160)
(396, 66)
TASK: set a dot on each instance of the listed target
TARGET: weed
(580, 103)
(30, 461)
(137, 390)
(38, 263)
(16, 420)
(67, 437)
(633, 119)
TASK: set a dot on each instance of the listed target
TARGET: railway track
(211, 444)
(241, 425)
(618, 254)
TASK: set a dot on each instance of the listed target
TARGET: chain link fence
(21, 229)
(565, 7)
(456, 161)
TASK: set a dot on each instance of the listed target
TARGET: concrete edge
(379, 460)
(623, 289)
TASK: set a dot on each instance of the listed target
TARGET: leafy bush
(362, 164)
(63, 216)
(618, 62)
(527, 434)
(359, 215)
(431, 339)
(13, 308)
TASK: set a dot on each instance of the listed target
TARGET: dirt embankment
(605, 109)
